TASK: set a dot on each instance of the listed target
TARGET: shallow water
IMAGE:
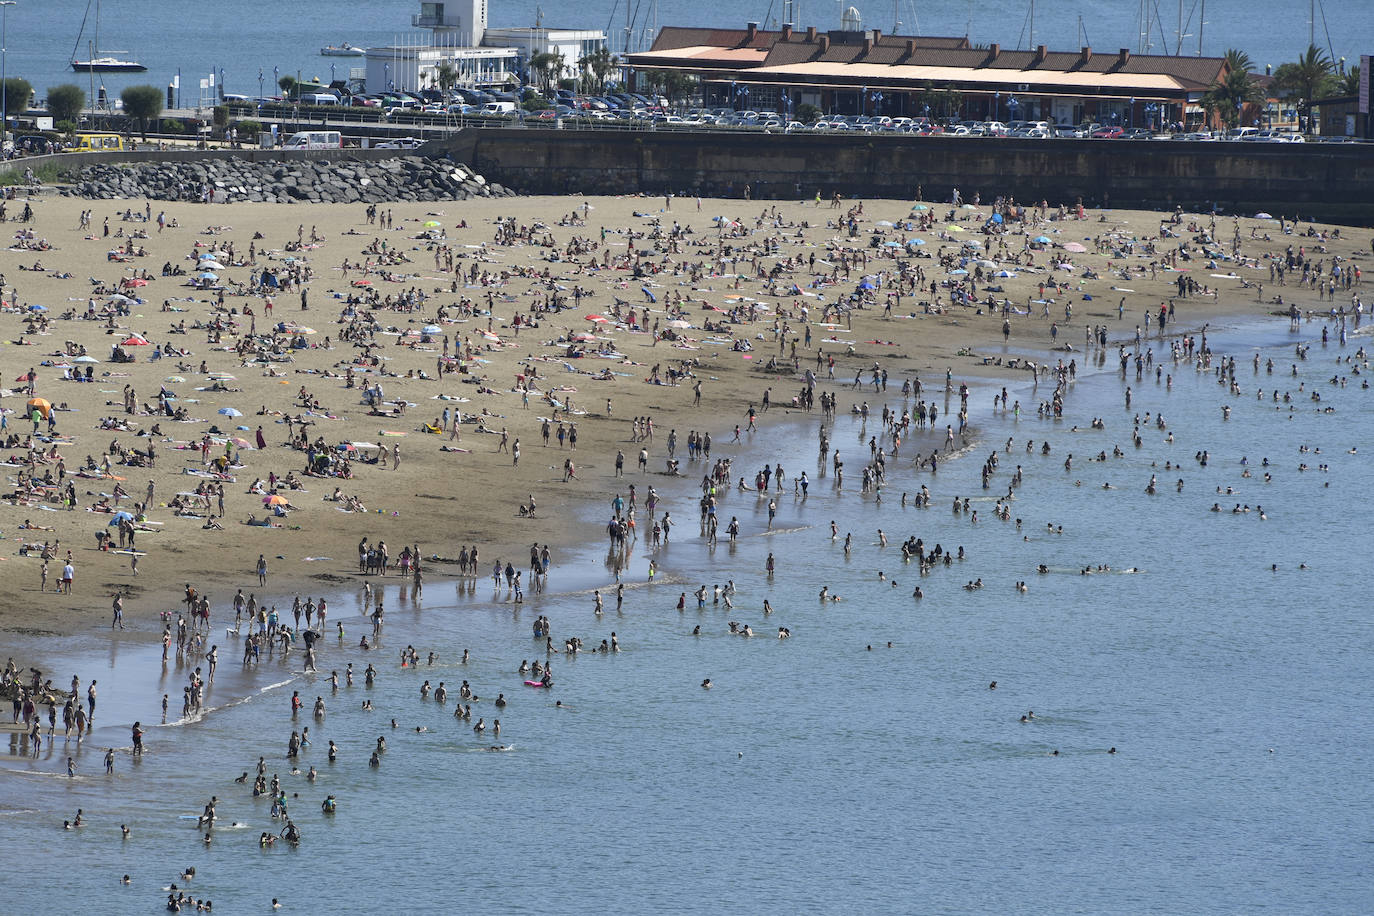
(818, 775)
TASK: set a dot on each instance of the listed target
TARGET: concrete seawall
(1325, 181)
(1332, 182)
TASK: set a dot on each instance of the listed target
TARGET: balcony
(436, 20)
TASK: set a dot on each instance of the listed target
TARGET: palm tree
(445, 75)
(600, 63)
(1350, 81)
(1228, 95)
(1307, 79)
(1238, 60)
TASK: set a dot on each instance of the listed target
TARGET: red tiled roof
(949, 53)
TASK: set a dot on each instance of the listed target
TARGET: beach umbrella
(968, 207)
(207, 275)
(230, 412)
(919, 208)
(1075, 247)
(242, 442)
(915, 242)
(958, 273)
(120, 297)
(1041, 240)
(118, 517)
(645, 290)
(866, 286)
(1263, 215)
(884, 223)
(679, 324)
(133, 341)
(133, 282)
(595, 318)
(892, 244)
(431, 329)
(275, 500)
(432, 224)
(38, 308)
(1005, 273)
(85, 359)
(40, 405)
(174, 378)
(212, 265)
(973, 243)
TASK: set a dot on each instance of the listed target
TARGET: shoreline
(924, 347)
(585, 564)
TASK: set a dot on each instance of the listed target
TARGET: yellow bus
(92, 143)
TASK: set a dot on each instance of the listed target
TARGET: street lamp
(4, 90)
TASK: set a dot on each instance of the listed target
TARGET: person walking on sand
(262, 569)
(396, 456)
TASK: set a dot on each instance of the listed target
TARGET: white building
(573, 44)
(458, 35)
(453, 23)
(411, 66)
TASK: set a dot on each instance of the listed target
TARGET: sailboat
(95, 62)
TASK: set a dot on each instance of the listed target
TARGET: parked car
(1107, 133)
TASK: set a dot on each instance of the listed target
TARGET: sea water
(818, 774)
(256, 37)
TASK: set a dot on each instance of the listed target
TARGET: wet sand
(443, 500)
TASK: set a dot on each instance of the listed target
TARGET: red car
(1107, 133)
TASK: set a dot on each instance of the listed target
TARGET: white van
(319, 98)
(314, 139)
(498, 108)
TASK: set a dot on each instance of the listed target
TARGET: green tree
(545, 69)
(66, 101)
(1307, 79)
(143, 103)
(1238, 60)
(676, 85)
(289, 87)
(599, 65)
(808, 113)
(1350, 81)
(1227, 96)
(18, 91)
(446, 76)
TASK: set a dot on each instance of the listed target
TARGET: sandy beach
(698, 272)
